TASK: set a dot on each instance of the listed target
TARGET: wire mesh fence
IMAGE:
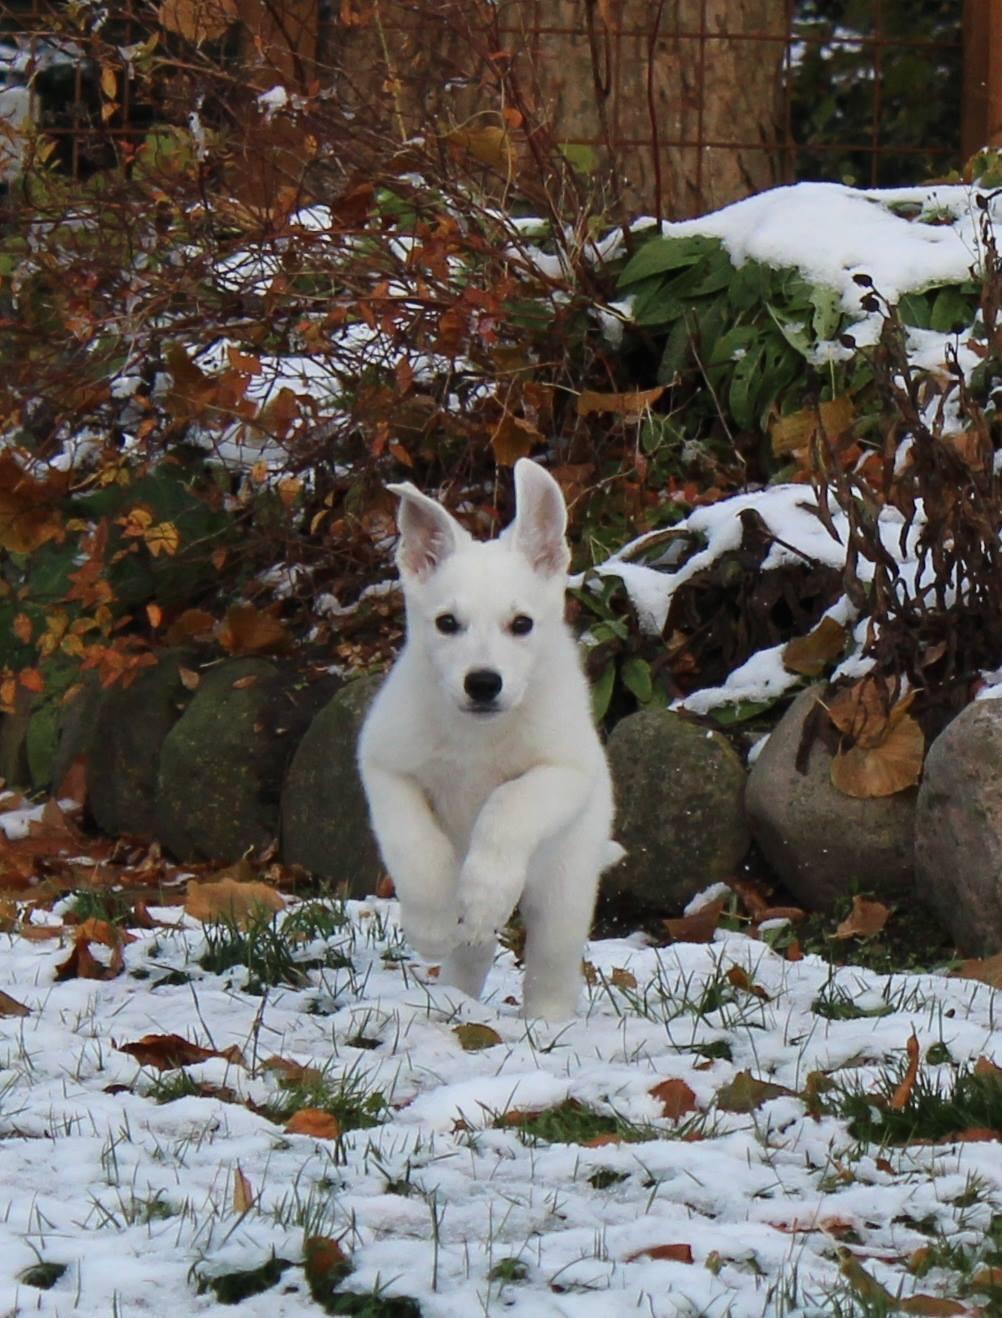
(684, 105)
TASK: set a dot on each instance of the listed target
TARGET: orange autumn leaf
(314, 1121)
(740, 979)
(249, 631)
(83, 964)
(675, 1097)
(632, 405)
(902, 1094)
(228, 900)
(676, 1253)
(866, 919)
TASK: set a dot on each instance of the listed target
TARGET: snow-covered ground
(442, 1201)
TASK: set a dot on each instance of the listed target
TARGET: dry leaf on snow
(314, 1121)
(675, 1097)
(902, 1094)
(697, 928)
(676, 1253)
(11, 1007)
(168, 1052)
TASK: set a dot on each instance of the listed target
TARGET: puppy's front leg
(420, 858)
(513, 821)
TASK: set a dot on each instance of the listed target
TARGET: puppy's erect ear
(540, 519)
(428, 534)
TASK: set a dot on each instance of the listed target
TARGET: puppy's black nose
(483, 685)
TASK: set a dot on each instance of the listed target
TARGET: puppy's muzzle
(483, 686)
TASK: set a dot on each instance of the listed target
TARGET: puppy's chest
(458, 786)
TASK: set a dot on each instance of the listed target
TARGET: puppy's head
(484, 613)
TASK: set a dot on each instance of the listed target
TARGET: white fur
(477, 809)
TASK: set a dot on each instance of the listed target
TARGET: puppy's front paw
(432, 934)
(489, 887)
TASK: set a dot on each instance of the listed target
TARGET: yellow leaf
(162, 539)
(796, 431)
(109, 82)
(631, 405)
(243, 1194)
(489, 144)
(473, 1037)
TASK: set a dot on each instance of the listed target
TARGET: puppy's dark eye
(447, 624)
(521, 624)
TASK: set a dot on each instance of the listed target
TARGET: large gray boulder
(679, 789)
(958, 828)
(325, 819)
(222, 764)
(822, 843)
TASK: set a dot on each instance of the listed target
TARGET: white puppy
(487, 783)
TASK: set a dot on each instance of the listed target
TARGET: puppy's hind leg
(466, 967)
(557, 908)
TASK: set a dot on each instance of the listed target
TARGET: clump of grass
(930, 1113)
(100, 904)
(269, 949)
(836, 1003)
(570, 1122)
(347, 1098)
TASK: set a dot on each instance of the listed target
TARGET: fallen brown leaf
(11, 1007)
(812, 654)
(698, 927)
(243, 1194)
(676, 1253)
(474, 1037)
(229, 900)
(675, 1097)
(866, 919)
(168, 1052)
(740, 978)
(890, 766)
(249, 631)
(986, 970)
(745, 1093)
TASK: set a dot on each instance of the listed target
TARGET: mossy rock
(219, 780)
(325, 818)
(14, 740)
(679, 808)
(131, 726)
